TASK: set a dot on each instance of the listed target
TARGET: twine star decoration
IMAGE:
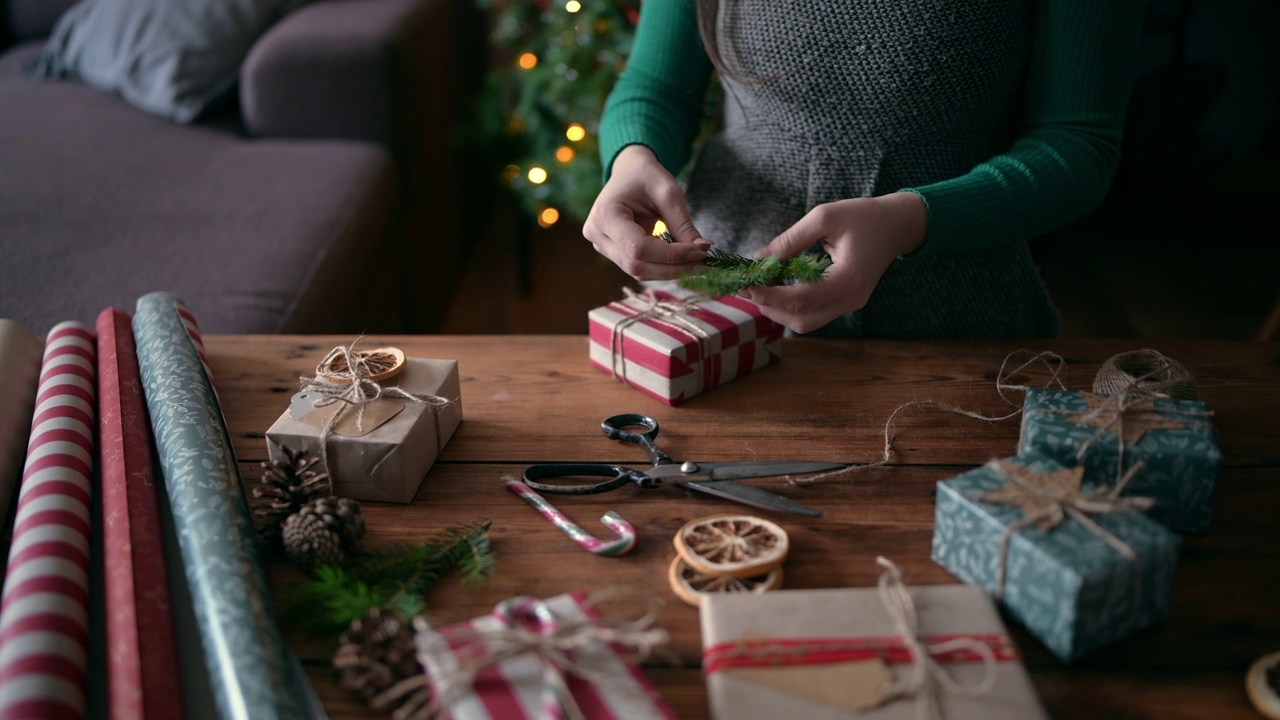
(1040, 496)
(1128, 419)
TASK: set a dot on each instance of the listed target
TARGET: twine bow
(353, 388)
(1046, 499)
(926, 675)
(530, 626)
(668, 313)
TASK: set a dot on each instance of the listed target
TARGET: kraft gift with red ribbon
(674, 348)
(44, 626)
(925, 653)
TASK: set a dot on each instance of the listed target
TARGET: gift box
(526, 672)
(841, 653)
(1080, 569)
(380, 452)
(674, 349)
(1173, 439)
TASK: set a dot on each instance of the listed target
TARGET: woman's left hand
(863, 236)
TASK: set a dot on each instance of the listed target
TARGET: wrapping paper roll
(139, 616)
(19, 374)
(44, 614)
(247, 659)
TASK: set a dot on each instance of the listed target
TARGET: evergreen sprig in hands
(727, 272)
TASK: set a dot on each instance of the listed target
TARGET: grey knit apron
(857, 98)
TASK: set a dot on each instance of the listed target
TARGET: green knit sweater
(1059, 162)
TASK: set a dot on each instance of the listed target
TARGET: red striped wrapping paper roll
(143, 676)
(43, 617)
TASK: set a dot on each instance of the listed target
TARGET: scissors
(713, 478)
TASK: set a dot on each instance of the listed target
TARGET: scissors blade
(763, 468)
(753, 496)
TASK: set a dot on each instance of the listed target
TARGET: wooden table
(535, 398)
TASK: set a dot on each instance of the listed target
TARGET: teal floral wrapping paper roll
(1069, 586)
(1180, 461)
(247, 659)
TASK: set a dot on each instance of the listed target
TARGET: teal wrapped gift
(1107, 435)
(1079, 569)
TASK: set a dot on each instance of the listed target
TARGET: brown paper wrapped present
(380, 449)
(875, 654)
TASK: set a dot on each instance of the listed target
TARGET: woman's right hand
(640, 192)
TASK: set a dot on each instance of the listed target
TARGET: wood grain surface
(533, 399)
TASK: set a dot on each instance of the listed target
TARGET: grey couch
(328, 199)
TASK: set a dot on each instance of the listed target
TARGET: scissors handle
(618, 476)
(614, 428)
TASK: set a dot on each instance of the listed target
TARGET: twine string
(353, 388)
(671, 314)
(926, 676)
(529, 626)
(1053, 362)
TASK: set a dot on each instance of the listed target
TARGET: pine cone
(375, 653)
(323, 532)
(282, 491)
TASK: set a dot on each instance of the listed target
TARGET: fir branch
(728, 272)
(391, 579)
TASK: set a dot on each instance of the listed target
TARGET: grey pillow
(174, 58)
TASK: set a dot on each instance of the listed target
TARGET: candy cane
(622, 545)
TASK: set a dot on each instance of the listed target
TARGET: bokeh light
(548, 217)
(537, 175)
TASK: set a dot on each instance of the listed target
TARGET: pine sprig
(727, 272)
(391, 579)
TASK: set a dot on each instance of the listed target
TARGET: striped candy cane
(621, 545)
(43, 623)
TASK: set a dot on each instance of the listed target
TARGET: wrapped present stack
(674, 348)
(1074, 534)
(376, 419)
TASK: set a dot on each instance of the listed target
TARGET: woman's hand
(638, 194)
(862, 236)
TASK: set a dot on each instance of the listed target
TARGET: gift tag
(853, 686)
(351, 422)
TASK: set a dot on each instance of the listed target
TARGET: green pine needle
(389, 578)
(728, 272)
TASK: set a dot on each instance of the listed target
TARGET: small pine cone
(375, 653)
(309, 543)
(282, 490)
(342, 515)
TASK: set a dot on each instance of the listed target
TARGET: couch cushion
(174, 58)
(101, 203)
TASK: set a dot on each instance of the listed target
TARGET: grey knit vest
(855, 98)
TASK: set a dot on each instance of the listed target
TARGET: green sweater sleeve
(1062, 164)
(657, 101)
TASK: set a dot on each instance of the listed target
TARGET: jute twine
(668, 313)
(353, 389)
(926, 676)
(529, 626)
(1145, 371)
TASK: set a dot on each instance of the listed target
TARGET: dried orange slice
(377, 364)
(738, 546)
(691, 586)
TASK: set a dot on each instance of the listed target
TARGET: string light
(527, 61)
(564, 153)
(537, 175)
(575, 132)
(548, 217)
(573, 6)
(510, 172)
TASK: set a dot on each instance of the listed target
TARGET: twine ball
(1145, 371)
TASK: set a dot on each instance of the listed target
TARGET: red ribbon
(824, 651)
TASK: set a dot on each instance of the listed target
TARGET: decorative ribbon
(668, 313)
(926, 654)
(529, 626)
(1047, 499)
(353, 388)
(1146, 371)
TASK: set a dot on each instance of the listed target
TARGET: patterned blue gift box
(1093, 579)
(1180, 455)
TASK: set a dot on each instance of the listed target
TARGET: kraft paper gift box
(609, 686)
(382, 458)
(674, 350)
(1091, 579)
(831, 655)
(1174, 440)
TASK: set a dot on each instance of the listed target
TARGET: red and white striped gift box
(676, 356)
(43, 617)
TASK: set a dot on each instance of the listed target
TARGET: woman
(920, 143)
